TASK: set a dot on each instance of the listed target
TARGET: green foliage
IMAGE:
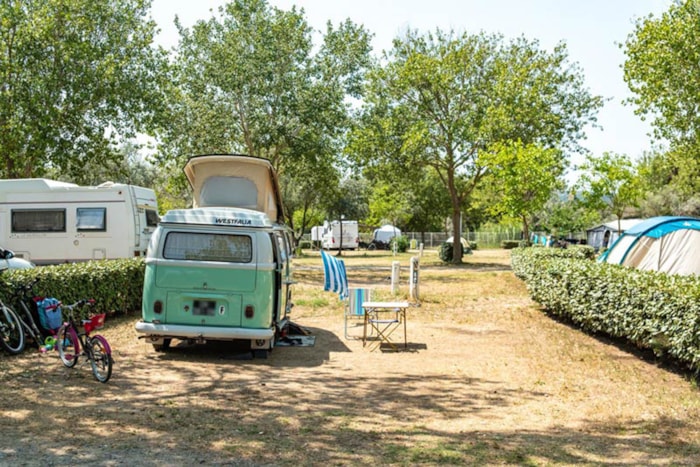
(564, 213)
(401, 243)
(77, 76)
(668, 193)
(389, 202)
(442, 98)
(663, 72)
(651, 310)
(525, 175)
(250, 80)
(609, 183)
(116, 285)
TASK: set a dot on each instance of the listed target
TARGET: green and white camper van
(221, 270)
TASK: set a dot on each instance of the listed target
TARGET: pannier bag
(50, 315)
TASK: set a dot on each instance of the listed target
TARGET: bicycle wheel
(68, 345)
(101, 359)
(11, 332)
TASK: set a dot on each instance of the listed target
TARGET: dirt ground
(488, 379)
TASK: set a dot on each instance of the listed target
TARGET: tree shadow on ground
(244, 413)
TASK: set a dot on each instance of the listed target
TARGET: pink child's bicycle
(72, 342)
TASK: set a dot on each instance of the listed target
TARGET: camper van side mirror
(8, 254)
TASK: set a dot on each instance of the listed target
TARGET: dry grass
(488, 379)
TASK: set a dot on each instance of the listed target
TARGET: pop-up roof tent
(665, 244)
(235, 180)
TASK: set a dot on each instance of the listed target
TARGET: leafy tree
(609, 183)
(526, 176)
(663, 72)
(131, 168)
(442, 99)
(76, 78)
(666, 191)
(251, 81)
(348, 202)
(389, 203)
(429, 202)
(563, 214)
(305, 189)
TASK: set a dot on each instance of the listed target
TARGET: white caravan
(331, 236)
(50, 222)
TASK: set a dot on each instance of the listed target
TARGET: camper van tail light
(249, 311)
(158, 307)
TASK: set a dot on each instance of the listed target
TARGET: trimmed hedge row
(116, 285)
(651, 310)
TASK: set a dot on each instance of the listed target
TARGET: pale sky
(591, 30)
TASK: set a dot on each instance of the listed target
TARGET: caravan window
(208, 247)
(38, 220)
(152, 218)
(91, 219)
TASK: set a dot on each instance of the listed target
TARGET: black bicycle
(23, 298)
(74, 342)
(11, 332)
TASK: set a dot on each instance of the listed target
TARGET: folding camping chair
(353, 307)
(336, 280)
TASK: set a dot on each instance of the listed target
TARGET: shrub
(446, 252)
(651, 310)
(401, 242)
(116, 285)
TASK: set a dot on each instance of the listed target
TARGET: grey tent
(604, 235)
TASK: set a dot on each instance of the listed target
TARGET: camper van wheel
(162, 347)
(261, 353)
(372, 246)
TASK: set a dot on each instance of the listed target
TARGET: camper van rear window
(192, 246)
(91, 219)
(38, 220)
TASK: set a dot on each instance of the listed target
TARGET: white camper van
(331, 238)
(49, 222)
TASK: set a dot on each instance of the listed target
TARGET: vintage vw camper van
(221, 270)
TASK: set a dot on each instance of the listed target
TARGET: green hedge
(116, 285)
(651, 310)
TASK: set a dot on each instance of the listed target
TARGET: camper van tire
(162, 346)
(261, 353)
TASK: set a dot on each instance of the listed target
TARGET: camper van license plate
(203, 307)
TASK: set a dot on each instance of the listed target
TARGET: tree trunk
(340, 240)
(457, 235)
(526, 230)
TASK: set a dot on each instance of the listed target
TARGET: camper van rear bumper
(202, 332)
